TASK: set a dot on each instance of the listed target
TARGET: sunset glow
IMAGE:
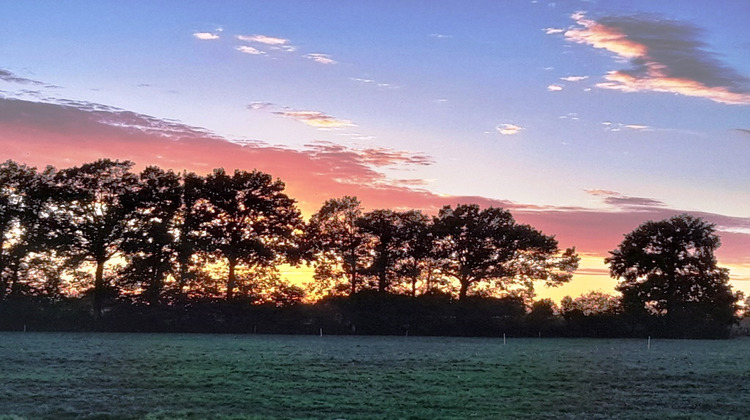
(584, 119)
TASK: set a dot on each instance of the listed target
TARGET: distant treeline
(100, 247)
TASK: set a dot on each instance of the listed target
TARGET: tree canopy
(487, 246)
(668, 270)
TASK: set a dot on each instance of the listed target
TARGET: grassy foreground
(166, 376)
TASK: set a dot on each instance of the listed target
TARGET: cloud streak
(266, 42)
(206, 36)
(10, 77)
(509, 129)
(664, 56)
(315, 119)
(246, 49)
(321, 58)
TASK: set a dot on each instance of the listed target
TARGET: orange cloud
(666, 56)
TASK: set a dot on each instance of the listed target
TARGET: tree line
(101, 234)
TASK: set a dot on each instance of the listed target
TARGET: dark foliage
(98, 247)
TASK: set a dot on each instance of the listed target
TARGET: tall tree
(416, 242)
(385, 246)
(96, 209)
(188, 238)
(338, 244)
(667, 269)
(399, 244)
(486, 245)
(150, 241)
(249, 220)
(26, 227)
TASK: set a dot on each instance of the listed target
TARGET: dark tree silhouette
(150, 240)
(25, 226)
(479, 246)
(338, 244)
(188, 240)
(415, 238)
(399, 243)
(249, 220)
(667, 269)
(385, 245)
(96, 210)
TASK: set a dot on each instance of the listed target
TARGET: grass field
(166, 376)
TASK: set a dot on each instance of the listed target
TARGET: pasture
(181, 376)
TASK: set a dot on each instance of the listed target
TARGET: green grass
(168, 376)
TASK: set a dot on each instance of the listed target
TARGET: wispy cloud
(249, 50)
(508, 129)
(552, 31)
(206, 36)
(600, 192)
(612, 126)
(615, 199)
(267, 43)
(315, 119)
(378, 157)
(441, 36)
(374, 83)
(574, 78)
(554, 88)
(263, 39)
(638, 127)
(321, 58)
(10, 77)
(665, 56)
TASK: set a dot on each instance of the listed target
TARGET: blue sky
(632, 110)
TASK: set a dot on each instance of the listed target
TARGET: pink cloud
(666, 56)
(71, 133)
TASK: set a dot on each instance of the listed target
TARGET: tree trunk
(14, 286)
(464, 288)
(353, 280)
(154, 289)
(232, 280)
(99, 289)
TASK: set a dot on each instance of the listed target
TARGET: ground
(180, 376)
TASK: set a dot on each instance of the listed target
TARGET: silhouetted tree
(188, 237)
(667, 269)
(541, 317)
(150, 240)
(96, 210)
(26, 228)
(479, 246)
(591, 303)
(249, 220)
(338, 245)
(385, 245)
(416, 241)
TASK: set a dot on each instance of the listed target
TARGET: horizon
(584, 119)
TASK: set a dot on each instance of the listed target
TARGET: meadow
(184, 376)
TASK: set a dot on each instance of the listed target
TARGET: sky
(584, 118)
